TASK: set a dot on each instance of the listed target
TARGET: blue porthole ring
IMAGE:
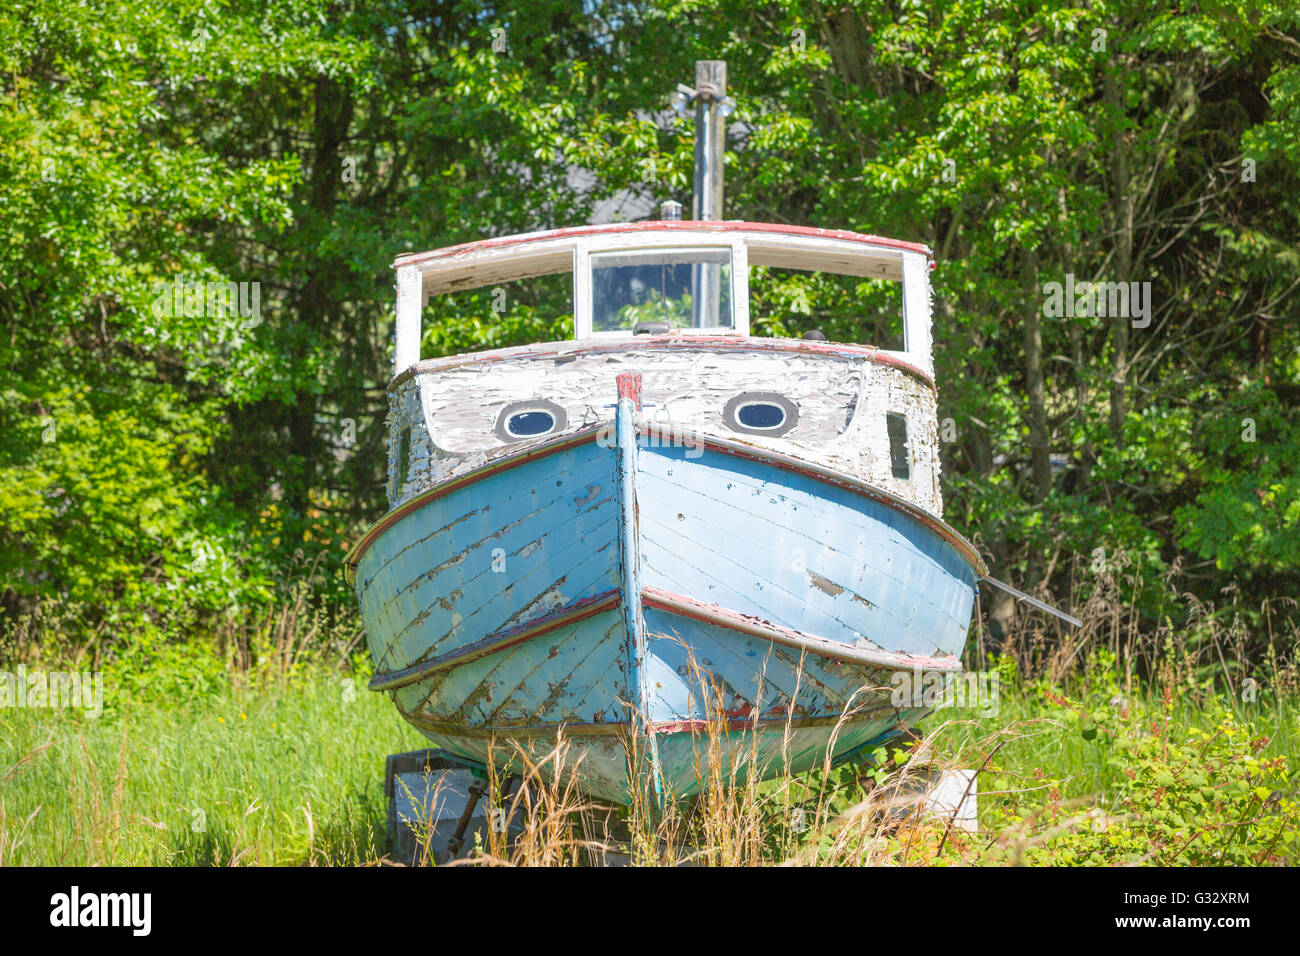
(760, 413)
(532, 419)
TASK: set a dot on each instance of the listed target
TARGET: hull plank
(477, 561)
(753, 675)
(599, 762)
(800, 553)
(568, 675)
(687, 758)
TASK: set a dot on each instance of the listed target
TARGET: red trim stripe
(659, 225)
(618, 728)
(821, 646)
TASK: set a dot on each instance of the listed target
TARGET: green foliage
(154, 671)
(657, 308)
(1106, 773)
(302, 145)
(1200, 795)
(1246, 514)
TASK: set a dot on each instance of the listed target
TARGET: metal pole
(710, 143)
(1033, 601)
(710, 137)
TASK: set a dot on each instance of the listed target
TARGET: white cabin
(670, 299)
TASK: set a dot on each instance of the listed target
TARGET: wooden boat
(604, 534)
(581, 531)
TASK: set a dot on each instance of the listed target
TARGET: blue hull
(616, 583)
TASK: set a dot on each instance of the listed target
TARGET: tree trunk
(314, 300)
(1122, 203)
(1038, 445)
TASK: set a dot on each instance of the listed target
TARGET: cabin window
(520, 421)
(788, 303)
(403, 457)
(899, 464)
(760, 413)
(661, 290)
(503, 304)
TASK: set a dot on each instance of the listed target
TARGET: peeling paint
(592, 491)
(825, 585)
(449, 414)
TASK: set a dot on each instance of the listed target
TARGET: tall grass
(255, 746)
(251, 775)
(1191, 641)
(263, 747)
(293, 775)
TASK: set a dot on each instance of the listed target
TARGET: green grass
(276, 776)
(290, 772)
(1047, 737)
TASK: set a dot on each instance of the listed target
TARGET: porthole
(763, 416)
(528, 424)
(760, 413)
(536, 418)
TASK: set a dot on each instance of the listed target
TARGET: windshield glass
(667, 288)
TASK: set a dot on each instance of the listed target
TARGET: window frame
(507, 258)
(584, 287)
(501, 425)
